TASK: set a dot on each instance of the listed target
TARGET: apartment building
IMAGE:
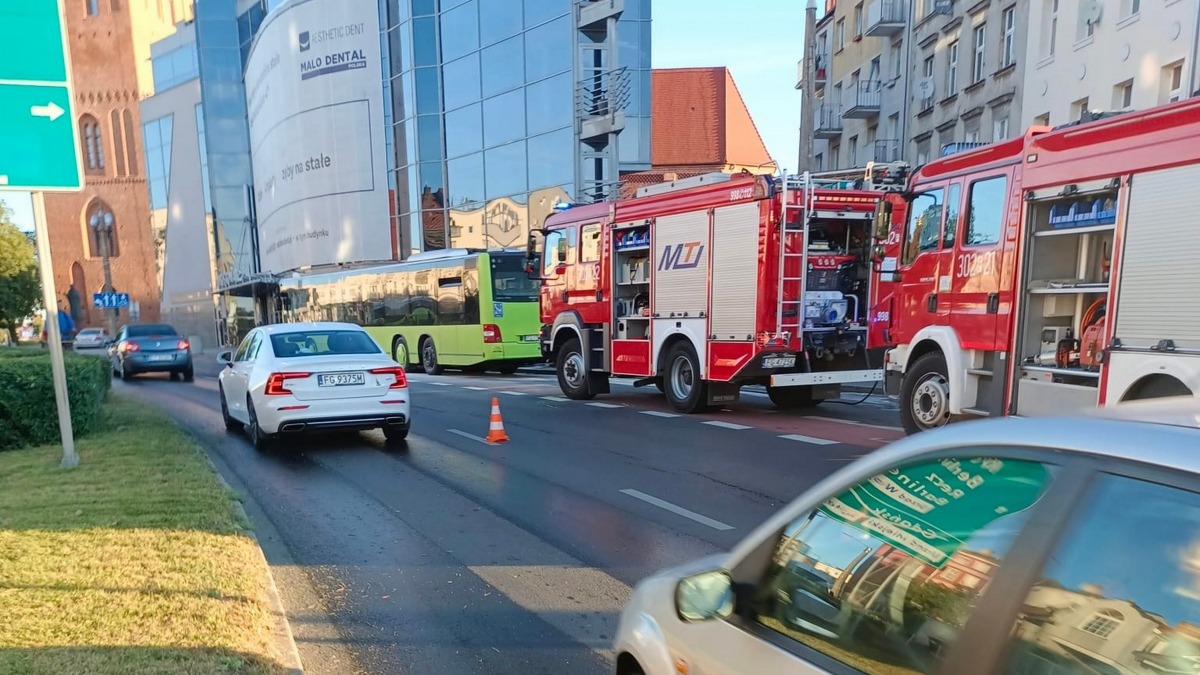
(968, 65)
(859, 83)
(1107, 55)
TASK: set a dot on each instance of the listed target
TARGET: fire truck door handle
(993, 303)
(565, 298)
(931, 302)
(599, 295)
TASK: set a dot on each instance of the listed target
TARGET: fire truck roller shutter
(735, 263)
(1159, 288)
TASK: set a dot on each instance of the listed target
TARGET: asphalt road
(453, 555)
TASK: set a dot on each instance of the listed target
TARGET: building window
(1130, 7)
(93, 7)
(1079, 108)
(972, 135)
(896, 56)
(1103, 623)
(1123, 96)
(1008, 51)
(858, 20)
(839, 35)
(928, 96)
(853, 151)
(819, 162)
(1000, 129)
(977, 64)
(952, 69)
(1050, 22)
(104, 232)
(1172, 83)
(1042, 120)
(93, 144)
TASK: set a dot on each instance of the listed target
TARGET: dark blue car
(150, 348)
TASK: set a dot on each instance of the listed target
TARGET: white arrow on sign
(51, 111)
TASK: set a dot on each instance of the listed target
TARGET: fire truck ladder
(785, 327)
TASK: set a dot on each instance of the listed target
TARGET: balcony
(829, 122)
(600, 102)
(885, 18)
(887, 150)
(820, 73)
(866, 101)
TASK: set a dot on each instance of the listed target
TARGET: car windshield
(510, 283)
(151, 330)
(323, 343)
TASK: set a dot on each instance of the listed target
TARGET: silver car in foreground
(1011, 546)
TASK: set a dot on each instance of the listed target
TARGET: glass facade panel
(498, 20)
(548, 50)
(203, 142)
(504, 118)
(460, 31)
(501, 170)
(540, 11)
(429, 138)
(422, 7)
(175, 67)
(427, 84)
(461, 81)
(551, 159)
(548, 104)
(503, 66)
(425, 51)
(431, 177)
(156, 136)
(464, 131)
(466, 180)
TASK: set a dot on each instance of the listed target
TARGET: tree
(20, 290)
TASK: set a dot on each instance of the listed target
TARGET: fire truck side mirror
(883, 220)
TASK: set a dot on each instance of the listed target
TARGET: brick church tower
(110, 58)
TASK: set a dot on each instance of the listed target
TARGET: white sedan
(289, 379)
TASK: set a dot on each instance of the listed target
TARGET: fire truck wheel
(429, 359)
(572, 371)
(925, 394)
(684, 389)
(791, 398)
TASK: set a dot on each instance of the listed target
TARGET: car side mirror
(705, 596)
(225, 358)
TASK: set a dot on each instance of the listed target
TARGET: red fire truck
(1048, 273)
(695, 286)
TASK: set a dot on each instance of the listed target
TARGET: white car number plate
(341, 379)
(787, 361)
(161, 357)
(530, 338)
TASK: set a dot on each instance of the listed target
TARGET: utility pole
(58, 369)
(102, 223)
(808, 90)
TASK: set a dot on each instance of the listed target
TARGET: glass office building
(485, 113)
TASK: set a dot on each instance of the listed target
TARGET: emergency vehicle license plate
(785, 361)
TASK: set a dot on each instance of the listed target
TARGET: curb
(285, 642)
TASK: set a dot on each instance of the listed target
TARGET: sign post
(41, 151)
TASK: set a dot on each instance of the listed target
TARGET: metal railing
(603, 94)
(829, 118)
(885, 17)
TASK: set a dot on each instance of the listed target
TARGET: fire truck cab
(697, 287)
(1048, 273)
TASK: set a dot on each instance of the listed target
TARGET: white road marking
(677, 510)
(726, 425)
(655, 413)
(514, 393)
(560, 399)
(473, 437)
(605, 405)
(438, 384)
(476, 388)
(809, 439)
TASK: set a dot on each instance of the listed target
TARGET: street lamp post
(102, 223)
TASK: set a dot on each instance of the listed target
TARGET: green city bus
(468, 309)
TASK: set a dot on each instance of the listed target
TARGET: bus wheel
(400, 354)
(684, 388)
(429, 360)
(791, 398)
(925, 394)
(572, 371)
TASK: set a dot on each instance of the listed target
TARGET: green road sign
(932, 510)
(39, 139)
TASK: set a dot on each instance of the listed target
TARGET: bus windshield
(509, 281)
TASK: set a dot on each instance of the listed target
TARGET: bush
(28, 411)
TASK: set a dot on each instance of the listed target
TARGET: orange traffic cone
(496, 429)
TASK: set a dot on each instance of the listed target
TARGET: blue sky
(758, 40)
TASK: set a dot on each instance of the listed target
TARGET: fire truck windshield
(510, 283)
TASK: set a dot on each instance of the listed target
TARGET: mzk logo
(683, 256)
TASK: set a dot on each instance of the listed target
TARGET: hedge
(28, 411)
